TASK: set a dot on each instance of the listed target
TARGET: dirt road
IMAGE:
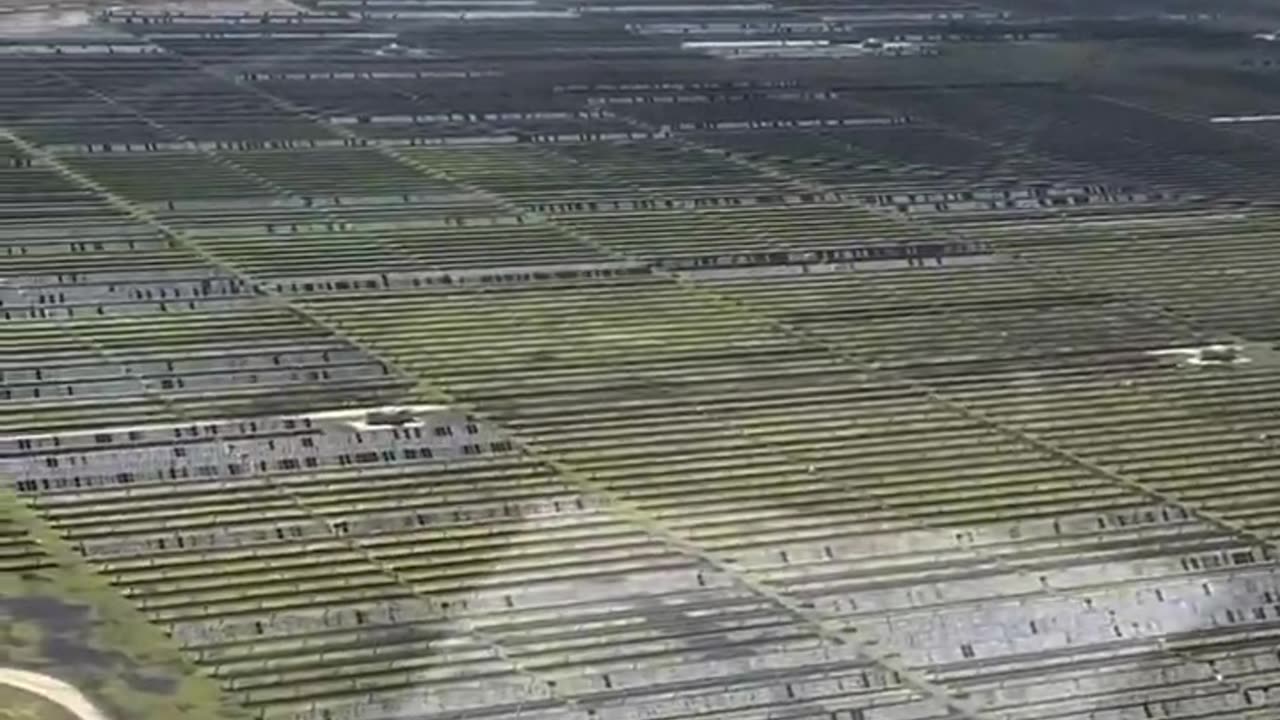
(53, 690)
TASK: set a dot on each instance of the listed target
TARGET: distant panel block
(159, 179)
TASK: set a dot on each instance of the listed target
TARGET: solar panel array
(759, 371)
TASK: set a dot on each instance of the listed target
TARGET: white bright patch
(352, 417)
(34, 23)
(208, 7)
(719, 44)
(1197, 355)
(1227, 119)
(356, 418)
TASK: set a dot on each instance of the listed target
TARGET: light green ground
(68, 622)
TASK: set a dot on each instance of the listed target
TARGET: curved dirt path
(53, 690)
